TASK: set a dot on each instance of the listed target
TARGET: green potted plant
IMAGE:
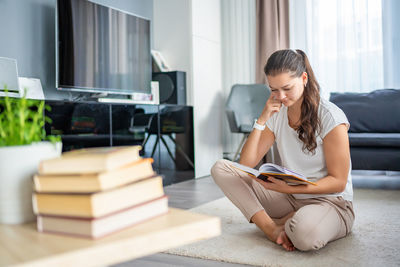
(23, 144)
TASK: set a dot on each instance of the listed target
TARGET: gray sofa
(374, 128)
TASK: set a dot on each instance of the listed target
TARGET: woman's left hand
(277, 185)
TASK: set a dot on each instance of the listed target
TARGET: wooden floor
(192, 193)
(184, 195)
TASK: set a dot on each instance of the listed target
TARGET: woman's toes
(279, 240)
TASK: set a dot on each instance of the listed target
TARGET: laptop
(9, 77)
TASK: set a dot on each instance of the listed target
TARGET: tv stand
(124, 101)
(164, 131)
(98, 95)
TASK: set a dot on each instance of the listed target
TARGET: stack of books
(96, 191)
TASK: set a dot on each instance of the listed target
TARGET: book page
(245, 169)
(273, 168)
(290, 179)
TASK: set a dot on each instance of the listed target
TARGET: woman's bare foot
(272, 230)
(279, 237)
(284, 241)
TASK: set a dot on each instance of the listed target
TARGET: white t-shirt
(290, 147)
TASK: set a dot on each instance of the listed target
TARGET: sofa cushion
(375, 139)
(374, 112)
(373, 158)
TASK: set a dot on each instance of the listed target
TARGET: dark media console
(164, 131)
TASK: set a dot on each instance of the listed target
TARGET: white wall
(214, 42)
(207, 84)
(188, 33)
(172, 30)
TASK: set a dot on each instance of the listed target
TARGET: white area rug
(375, 240)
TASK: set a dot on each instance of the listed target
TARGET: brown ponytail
(295, 63)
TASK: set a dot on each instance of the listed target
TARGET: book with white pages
(276, 171)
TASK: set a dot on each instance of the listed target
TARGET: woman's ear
(305, 78)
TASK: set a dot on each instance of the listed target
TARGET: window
(343, 40)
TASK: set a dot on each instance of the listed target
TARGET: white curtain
(391, 42)
(238, 31)
(343, 40)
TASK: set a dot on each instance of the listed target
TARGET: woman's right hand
(271, 106)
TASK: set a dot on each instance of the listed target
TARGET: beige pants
(316, 221)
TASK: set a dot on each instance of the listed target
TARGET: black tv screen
(101, 49)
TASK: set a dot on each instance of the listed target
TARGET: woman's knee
(304, 235)
(218, 170)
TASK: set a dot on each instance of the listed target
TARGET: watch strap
(258, 126)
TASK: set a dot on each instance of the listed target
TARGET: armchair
(245, 103)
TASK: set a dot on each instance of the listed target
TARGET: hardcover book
(90, 160)
(105, 225)
(276, 171)
(94, 182)
(93, 205)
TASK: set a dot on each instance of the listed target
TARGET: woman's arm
(337, 157)
(257, 145)
(259, 142)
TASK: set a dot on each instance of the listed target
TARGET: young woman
(311, 137)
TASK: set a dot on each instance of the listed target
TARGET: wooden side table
(22, 245)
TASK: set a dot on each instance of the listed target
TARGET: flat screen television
(101, 49)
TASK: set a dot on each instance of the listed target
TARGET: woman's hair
(295, 62)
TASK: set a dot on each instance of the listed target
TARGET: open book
(276, 171)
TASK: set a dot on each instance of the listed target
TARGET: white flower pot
(18, 164)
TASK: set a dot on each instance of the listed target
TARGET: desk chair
(245, 103)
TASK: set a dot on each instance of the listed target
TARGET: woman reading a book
(311, 138)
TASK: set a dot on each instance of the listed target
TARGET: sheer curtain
(343, 40)
(391, 42)
(238, 31)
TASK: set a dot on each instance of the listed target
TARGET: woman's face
(286, 88)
